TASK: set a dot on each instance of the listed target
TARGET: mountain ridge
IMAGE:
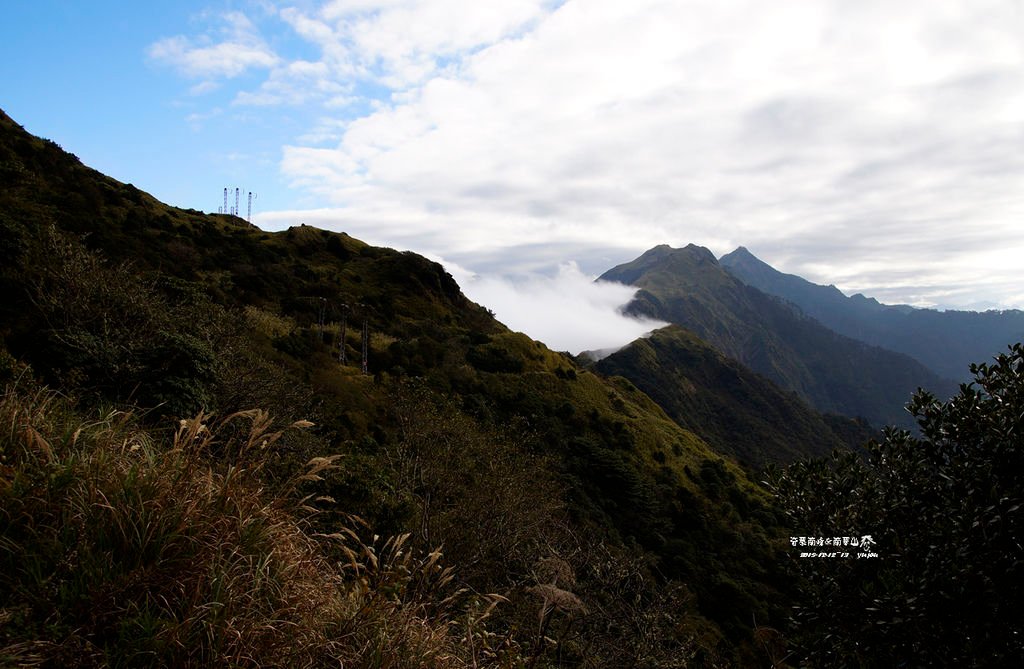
(463, 434)
(737, 411)
(947, 342)
(834, 373)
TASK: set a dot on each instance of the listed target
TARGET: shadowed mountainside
(835, 374)
(737, 411)
(947, 342)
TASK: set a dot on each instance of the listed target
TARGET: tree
(944, 509)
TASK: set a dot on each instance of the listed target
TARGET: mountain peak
(701, 253)
(742, 256)
(690, 265)
(690, 251)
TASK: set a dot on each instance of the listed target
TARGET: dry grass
(268, 323)
(118, 549)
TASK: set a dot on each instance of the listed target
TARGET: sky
(530, 145)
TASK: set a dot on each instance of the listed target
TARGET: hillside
(141, 347)
(736, 411)
(946, 342)
(835, 374)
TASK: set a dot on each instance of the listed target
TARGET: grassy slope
(739, 412)
(213, 290)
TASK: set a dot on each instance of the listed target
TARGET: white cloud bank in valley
(878, 146)
(568, 311)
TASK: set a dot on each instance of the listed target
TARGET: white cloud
(197, 119)
(294, 84)
(203, 87)
(238, 48)
(568, 311)
(403, 42)
(874, 145)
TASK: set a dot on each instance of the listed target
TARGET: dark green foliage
(945, 511)
(102, 330)
(833, 373)
(493, 358)
(738, 412)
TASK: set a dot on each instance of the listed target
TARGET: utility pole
(342, 358)
(321, 312)
(366, 346)
(321, 316)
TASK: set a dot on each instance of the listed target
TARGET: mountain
(947, 342)
(737, 411)
(166, 496)
(834, 373)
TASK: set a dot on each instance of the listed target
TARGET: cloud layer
(568, 311)
(873, 145)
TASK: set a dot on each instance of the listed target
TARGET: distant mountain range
(946, 342)
(834, 373)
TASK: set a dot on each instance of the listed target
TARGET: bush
(101, 329)
(945, 510)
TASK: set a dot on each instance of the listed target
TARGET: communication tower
(366, 346)
(342, 358)
(323, 315)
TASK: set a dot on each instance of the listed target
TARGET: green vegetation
(945, 512)
(738, 412)
(579, 524)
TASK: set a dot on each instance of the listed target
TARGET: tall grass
(118, 548)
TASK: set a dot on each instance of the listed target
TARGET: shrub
(944, 509)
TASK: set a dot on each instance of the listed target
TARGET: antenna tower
(248, 217)
(323, 314)
(366, 345)
(342, 358)
(225, 200)
(236, 201)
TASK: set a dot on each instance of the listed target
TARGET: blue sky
(877, 146)
(80, 74)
